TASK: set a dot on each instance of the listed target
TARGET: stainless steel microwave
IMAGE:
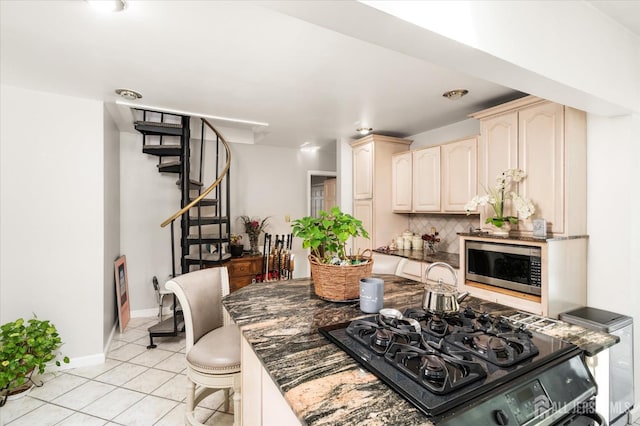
(509, 266)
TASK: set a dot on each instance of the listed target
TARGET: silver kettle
(442, 299)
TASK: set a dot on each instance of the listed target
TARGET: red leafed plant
(431, 238)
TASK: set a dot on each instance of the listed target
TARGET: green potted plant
(26, 348)
(335, 274)
(235, 245)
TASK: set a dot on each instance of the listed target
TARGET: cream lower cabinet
(415, 270)
(548, 142)
(363, 210)
(262, 402)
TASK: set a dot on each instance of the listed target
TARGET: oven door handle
(600, 421)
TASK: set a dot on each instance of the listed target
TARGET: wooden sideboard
(243, 270)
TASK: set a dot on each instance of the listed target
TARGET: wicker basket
(339, 283)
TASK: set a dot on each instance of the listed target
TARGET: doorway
(321, 191)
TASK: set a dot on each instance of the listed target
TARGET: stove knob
(500, 417)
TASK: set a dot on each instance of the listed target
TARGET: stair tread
(170, 167)
(159, 124)
(207, 236)
(206, 202)
(192, 182)
(207, 220)
(207, 257)
(169, 164)
(157, 128)
(163, 150)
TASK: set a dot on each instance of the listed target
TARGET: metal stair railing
(183, 213)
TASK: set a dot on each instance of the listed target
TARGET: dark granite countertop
(452, 259)
(514, 236)
(322, 384)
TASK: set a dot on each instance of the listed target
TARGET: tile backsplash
(447, 226)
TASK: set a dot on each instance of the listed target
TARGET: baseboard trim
(114, 329)
(153, 312)
(81, 361)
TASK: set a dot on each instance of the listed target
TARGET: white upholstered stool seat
(217, 352)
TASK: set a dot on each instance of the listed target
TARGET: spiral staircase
(204, 224)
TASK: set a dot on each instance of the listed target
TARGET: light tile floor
(135, 386)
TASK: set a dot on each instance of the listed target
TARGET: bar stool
(160, 294)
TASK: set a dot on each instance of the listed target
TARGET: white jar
(407, 242)
(416, 243)
(400, 243)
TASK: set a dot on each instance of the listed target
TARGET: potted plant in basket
(26, 348)
(335, 274)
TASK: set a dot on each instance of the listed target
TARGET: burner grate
(437, 372)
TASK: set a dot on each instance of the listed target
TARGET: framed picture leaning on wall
(122, 292)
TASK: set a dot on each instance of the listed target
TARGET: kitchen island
(321, 383)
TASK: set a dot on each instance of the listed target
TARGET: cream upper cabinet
(373, 191)
(401, 182)
(548, 142)
(497, 152)
(459, 173)
(541, 156)
(426, 179)
(363, 171)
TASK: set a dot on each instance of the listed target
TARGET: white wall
(452, 132)
(265, 181)
(613, 165)
(111, 222)
(147, 198)
(52, 211)
(344, 160)
(556, 50)
(272, 181)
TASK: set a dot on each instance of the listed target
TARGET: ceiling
(239, 60)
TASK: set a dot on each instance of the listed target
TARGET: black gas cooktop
(438, 362)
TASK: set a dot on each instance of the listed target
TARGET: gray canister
(371, 295)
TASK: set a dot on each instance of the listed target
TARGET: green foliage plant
(25, 348)
(327, 234)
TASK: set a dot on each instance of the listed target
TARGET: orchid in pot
(497, 196)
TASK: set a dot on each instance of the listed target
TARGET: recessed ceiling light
(132, 95)
(455, 94)
(307, 147)
(108, 5)
(364, 130)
